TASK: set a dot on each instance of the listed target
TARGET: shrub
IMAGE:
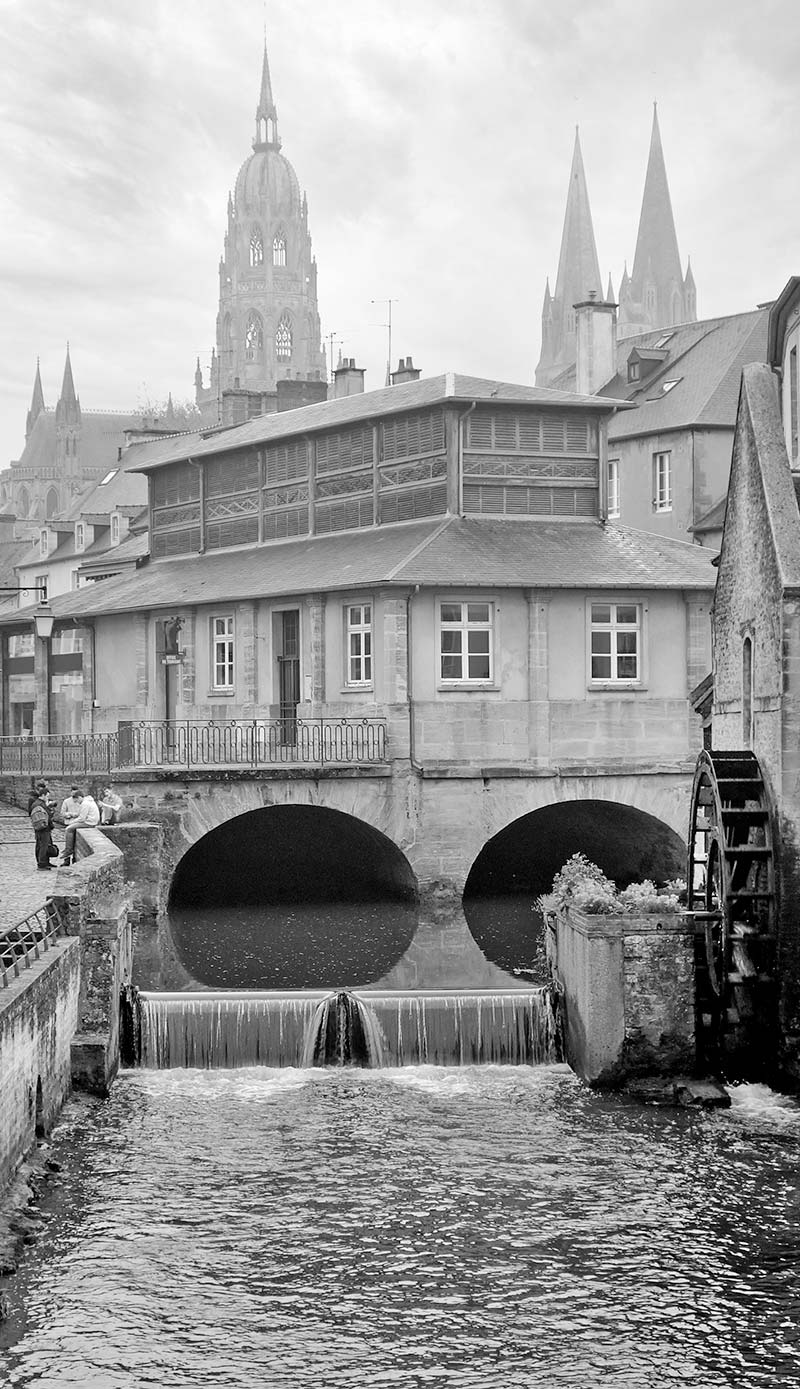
(582, 884)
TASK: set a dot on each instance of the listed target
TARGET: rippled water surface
(423, 1227)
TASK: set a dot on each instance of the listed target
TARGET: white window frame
(44, 543)
(613, 488)
(662, 480)
(41, 586)
(607, 641)
(467, 624)
(74, 579)
(114, 528)
(223, 652)
(80, 537)
(359, 654)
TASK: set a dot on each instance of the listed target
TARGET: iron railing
(184, 743)
(60, 754)
(22, 944)
(251, 743)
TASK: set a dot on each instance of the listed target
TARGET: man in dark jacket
(41, 815)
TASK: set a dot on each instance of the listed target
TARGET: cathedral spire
(37, 402)
(266, 112)
(68, 396)
(578, 276)
(578, 266)
(68, 408)
(657, 279)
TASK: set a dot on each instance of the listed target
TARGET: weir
(443, 1028)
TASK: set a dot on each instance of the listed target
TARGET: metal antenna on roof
(387, 324)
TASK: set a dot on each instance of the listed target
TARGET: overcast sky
(434, 140)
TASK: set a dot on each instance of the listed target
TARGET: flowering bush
(583, 885)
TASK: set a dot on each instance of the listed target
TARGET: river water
(493, 1226)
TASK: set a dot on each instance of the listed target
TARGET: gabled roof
(705, 360)
(110, 558)
(760, 448)
(713, 519)
(454, 552)
(102, 434)
(125, 490)
(449, 388)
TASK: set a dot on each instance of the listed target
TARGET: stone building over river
(407, 606)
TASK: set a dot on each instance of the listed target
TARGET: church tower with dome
(268, 328)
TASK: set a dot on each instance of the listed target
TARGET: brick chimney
(348, 379)
(406, 371)
(596, 360)
(294, 392)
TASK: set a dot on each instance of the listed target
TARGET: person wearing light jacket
(87, 817)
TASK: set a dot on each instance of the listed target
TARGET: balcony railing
(60, 755)
(187, 743)
(256, 743)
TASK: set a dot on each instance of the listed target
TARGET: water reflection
(476, 1227)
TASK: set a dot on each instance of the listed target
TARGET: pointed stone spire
(610, 290)
(37, 403)
(657, 279)
(68, 395)
(578, 266)
(266, 111)
(68, 409)
(578, 276)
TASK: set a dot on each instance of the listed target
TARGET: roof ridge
(418, 548)
(755, 327)
(653, 535)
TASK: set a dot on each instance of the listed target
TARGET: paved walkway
(23, 889)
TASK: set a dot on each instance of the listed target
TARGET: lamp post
(43, 623)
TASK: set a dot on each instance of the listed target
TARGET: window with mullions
(256, 247)
(613, 487)
(615, 652)
(253, 337)
(283, 337)
(465, 635)
(359, 644)
(279, 249)
(662, 482)
(222, 659)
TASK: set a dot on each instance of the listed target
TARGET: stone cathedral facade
(268, 328)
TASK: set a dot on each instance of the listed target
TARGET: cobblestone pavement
(23, 889)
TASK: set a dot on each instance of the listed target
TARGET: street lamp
(44, 621)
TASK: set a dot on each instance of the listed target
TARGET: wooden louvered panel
(238, 472)
(350, 514)
(286, 462)
(220, 535)
(183, 542)
(413, 503)
(280, 525)
(408, 436)
(180, 483)
(351, 448)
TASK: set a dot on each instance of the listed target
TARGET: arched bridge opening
(292, 897)
(515, 867)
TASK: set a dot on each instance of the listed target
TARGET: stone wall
(38, 1017)
(627, 985)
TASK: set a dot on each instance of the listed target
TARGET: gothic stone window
(256, 247)
(254, 337)
(279, 248)
(283, 337)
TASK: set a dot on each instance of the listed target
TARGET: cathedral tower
(578, 278)
(656, 294)
(268, 325)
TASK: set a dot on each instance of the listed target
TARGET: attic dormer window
(115, 528)
(43, 544)
(80, 536)
(634, 371)
(666, 386)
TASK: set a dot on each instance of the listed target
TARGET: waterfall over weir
(444, 1028)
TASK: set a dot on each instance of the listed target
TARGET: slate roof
(124, 489)
(705, 359)
(102, 433)
(712, 520)
(448, 388)
(453, 552)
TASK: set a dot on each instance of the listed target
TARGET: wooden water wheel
(732, 895)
